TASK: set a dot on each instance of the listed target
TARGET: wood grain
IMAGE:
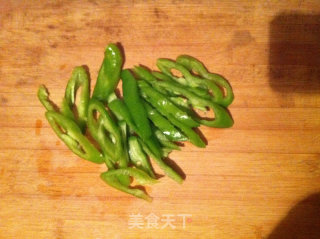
(255, 180)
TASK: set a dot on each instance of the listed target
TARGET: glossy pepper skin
(138, 157)
(144, 74)
(170, 113)
(132, 99)
(164, 105)
(120, 109)
(164, 141)
(109, 136)
(79, 78)
(164, 125)
(102, 129)
(222, 119)
(196, 66)
(69, 132)
(192, 81)
(173, 88)
(194, 138)
(109, 73)
(111, 178)
(134, 103)
(203, 93)
(166, 168)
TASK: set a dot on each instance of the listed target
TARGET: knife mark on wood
(38, 127)
(160, 13)
(4, 100)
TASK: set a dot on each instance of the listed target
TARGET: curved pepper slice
(164, 105)
(109, 136)
(109, 73)
(111, 178)
(144, 74)
(119, 108)
(194, 138)
(138, 157)
(166, 168)
(164, 125)
(197, 90)
(106, 132)
(69, 132)
(43, 96)
(79, 78)
(166, 65)
(222, 118)
(196, 66)
(134, 103)
(164, 141)
(121, 111)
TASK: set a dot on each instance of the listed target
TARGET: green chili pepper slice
(166, 168)
(111, 178)
(134, 103)
(194, 138)
(69, 132)
(166, 65)
(79, 78)
(164, 125)
(197, 90)
(43, 96)
(109, 74)
(144, 74)
(164, 105)
(121, 111)
(106, 132)
(138, 157)
(164, 141)
(192, 64)
(222, 118)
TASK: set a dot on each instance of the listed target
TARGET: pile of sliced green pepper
(155, 112)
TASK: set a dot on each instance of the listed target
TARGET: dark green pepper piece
(134, 103)
(144, 74)
(109, 74)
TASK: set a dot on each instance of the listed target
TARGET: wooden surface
(259, 179)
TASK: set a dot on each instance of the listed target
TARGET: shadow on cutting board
(302, 221)
(294, 60)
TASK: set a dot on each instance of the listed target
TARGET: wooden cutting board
(259, 179)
